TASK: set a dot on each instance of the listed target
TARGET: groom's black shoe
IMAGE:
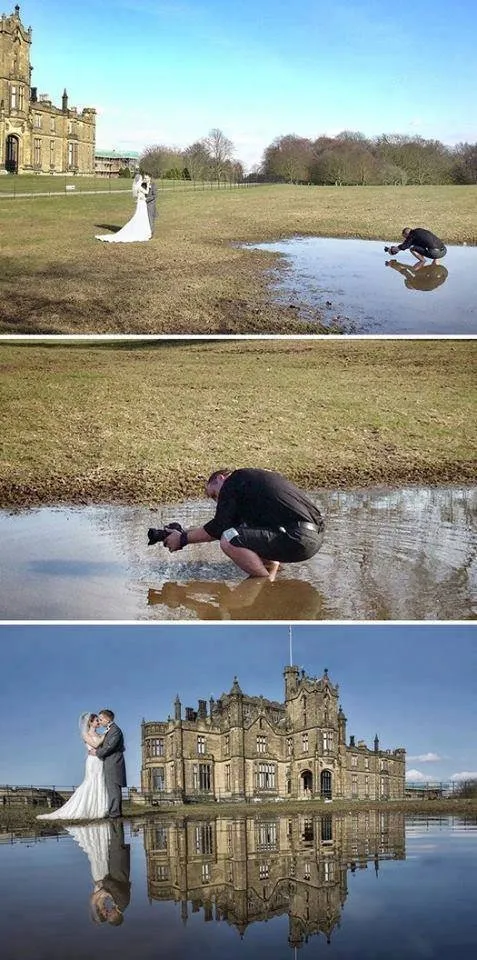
(159, 534)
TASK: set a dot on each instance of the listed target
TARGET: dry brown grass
(191, 278)
(138, 422)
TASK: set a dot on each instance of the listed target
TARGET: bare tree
(220, 150)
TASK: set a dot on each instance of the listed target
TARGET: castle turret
(177, 708)
(376, 744)
(64, 101)
(291, 675)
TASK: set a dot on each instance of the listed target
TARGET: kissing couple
(100, 793)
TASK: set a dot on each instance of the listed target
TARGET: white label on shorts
(230, 534)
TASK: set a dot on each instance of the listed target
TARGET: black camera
(159, 534)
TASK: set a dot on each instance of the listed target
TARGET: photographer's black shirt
(421, 238)
(260, 499)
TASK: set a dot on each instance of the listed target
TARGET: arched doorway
(306, 782)
(11, 154)
(325, 785)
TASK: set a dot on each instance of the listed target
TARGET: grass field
(192, 277)
(138, 422)
(25, 817)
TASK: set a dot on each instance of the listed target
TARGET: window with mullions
(158, 779)
(160, 838)
(267, 836)
(204, 838)
(261, 744)
(266, 776)
(201, 745)
(202, 777)
(156, 747)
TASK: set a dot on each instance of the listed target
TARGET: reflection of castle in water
(252, 868)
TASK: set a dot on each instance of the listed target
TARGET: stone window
(13, 97)
(264, 871)
(156, 747)
(205, 872)
(354, 760)
(327, 741)
(52, 125)
(227, 744)
(162, 871)
(204, 838)
(52, 153)
(72, 155)
(289, 746)
(267, 836)
(227, 776)
(366, 763)
(37, 152)
(307, 871)
(38, 121)
(266, 776)
(202, 777)
(304, 743)
(328, 871)
(385, 788)
(366, 787)
(261, 744)
(200, 745)
(158, 779)
(327, 829)
(160, 839)
(354, 785)
(383, 766)
(308, 831)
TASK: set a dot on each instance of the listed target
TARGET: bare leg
(418, 256)
(246, 559)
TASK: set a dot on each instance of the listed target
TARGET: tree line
(211, 158)
(350, 158)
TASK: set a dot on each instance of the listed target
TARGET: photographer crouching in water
(261, 520)
(421, 243)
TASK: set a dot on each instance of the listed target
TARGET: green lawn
(193, 277)
(148, 421)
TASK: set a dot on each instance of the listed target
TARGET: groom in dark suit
(111, 752)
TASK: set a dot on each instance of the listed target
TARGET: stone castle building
(243, 747)
(35, 135)
(243, 870)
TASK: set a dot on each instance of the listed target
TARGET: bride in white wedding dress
(138, 227)
(90, 800)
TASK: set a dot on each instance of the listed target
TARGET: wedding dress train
(89, 801)
(135, 230)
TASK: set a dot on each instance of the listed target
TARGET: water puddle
(354, 287)
(365, 884)
(387, 554)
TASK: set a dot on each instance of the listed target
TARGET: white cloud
(465, 775)
(416, 776)
(427, 757)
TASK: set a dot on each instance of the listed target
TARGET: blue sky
(167, 72)
(415, 686)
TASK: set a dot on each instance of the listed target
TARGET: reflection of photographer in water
(261, 520)
(252, 599)
(420, 276)
(421, 243)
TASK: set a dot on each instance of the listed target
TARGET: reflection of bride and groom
(141, 225)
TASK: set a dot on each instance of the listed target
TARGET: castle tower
(15, 75)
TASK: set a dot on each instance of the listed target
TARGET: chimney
(64, 101)
(202, 711)
(351, 741)
(34, 94)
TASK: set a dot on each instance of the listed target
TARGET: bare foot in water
(272, 567)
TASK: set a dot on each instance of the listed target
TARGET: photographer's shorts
(290, 544)
(432, 253)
